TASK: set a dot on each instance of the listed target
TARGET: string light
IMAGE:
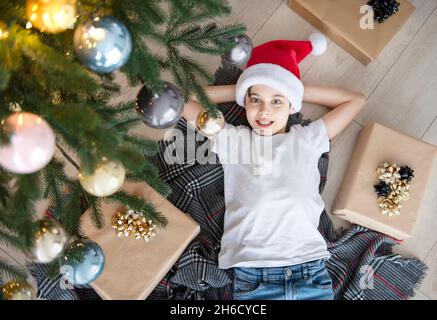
(51, 15)
(3, 34)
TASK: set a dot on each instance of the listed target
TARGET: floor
(401, 93)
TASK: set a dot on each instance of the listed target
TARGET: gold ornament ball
(51, 15)
(208, 125)
(18, 290)
(107, 179)
(49, 241)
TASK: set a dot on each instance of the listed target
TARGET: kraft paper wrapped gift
(356, 200)
(134, 267)
(340, 21)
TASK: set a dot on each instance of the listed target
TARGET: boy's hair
(247, 94)
(248, 90)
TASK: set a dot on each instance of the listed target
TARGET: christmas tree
(47, 84)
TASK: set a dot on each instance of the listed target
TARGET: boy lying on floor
(273, 205)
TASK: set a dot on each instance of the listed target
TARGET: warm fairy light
(3, 34)
(52, 15)
(28, 25)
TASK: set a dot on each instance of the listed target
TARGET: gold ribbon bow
(133, 223)
(399, 189)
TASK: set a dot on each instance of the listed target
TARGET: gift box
(356, 200)
(134, 267)
(340, 21)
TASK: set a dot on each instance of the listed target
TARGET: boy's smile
(267, 110)
(264, 123)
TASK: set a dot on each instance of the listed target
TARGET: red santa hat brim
(273, 76)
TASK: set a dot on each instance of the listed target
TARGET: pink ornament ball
(31, 145)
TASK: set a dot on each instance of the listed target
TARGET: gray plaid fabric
(362, 265)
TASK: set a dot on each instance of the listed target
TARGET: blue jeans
(306, 281)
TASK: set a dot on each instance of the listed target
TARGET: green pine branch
(138, 204)
(95, 204)
(40, 73)
(10, 272)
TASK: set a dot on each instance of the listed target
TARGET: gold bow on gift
(399, 189)
(132, 223)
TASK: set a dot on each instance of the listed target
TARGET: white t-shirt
(273, 204)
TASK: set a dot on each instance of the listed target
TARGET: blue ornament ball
(103, 44)
(82, 262)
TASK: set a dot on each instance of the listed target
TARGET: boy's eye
(254, 100)
(276, 102)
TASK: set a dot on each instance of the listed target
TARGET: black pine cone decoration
(406, 173)
(382, 189)
(383, 9)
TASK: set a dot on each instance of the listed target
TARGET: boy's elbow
(360, 99)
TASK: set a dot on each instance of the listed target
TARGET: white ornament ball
(31, 145)
(49, 241)
(106, 180)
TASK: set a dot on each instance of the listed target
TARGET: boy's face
(267, 110)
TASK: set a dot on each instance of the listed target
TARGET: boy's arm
(217, 94)
(345, 104)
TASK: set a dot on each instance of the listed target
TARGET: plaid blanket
(362, 265)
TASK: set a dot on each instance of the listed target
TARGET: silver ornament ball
(161, 110)
(49, 240)
(241, 51)
(103, 44)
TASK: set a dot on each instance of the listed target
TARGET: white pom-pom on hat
(319, 43)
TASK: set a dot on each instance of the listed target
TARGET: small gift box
(340, 21)
(357, 200)
(134, 266)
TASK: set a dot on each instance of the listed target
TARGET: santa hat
(275, 63)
